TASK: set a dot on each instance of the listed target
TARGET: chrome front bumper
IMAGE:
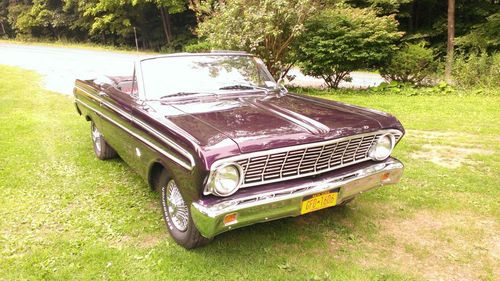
(286, 202)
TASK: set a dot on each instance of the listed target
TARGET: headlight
(382, 148)
(226, 180)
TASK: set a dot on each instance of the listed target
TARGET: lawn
(65, 215)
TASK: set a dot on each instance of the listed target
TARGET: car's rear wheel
(177, 215)
(101, 148)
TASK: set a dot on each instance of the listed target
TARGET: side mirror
(281, 86)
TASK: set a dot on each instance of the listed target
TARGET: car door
(116, 106)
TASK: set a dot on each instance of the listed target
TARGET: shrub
(414, 64)
(197, 47)
(406, 89)
(343, 39)
(477, 70)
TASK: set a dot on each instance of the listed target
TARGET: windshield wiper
(237, 87)
(244, 87)
(181, 94)
(230, 87)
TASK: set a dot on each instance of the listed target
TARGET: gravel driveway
(61, 66)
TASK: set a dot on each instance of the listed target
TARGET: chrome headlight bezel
(212, 188)
(373, 153)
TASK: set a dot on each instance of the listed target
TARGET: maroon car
(228, 147)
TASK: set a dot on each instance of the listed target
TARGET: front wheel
(177, 215)
(345, 202)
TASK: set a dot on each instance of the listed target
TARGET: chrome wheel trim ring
(176, 207)
(96, 137)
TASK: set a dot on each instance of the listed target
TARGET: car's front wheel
(101, 148)
(345, 202)
(177, 215)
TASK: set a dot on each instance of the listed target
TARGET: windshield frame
(139, 75)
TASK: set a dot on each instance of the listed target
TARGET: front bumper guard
(209, 219)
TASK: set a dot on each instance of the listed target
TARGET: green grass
(65, 215)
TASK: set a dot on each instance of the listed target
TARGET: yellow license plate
(318, 201)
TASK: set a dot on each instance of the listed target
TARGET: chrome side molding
(187, 165)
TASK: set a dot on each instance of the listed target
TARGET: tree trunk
(414, 16)
(165, 19)
(451, 41)
(3, 28)
(168, 22)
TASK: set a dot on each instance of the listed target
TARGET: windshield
(186, 75)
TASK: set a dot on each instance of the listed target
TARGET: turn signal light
(230, 219)
(385, 177)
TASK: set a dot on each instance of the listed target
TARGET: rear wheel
(177, 215)
(101, 148)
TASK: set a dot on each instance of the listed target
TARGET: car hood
(258, 122)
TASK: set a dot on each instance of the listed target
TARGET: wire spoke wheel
(96, 137)
(177, 215)
(176, 207)
(102, 149)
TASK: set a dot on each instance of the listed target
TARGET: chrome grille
(308, 160)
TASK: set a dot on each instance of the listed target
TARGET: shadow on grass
(307, 231)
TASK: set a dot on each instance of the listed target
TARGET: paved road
(359, 80)
(61, 66)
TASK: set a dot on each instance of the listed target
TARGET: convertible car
(227, 146)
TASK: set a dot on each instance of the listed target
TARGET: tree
(383, 7)
(204, 8)
(263, 27)
(483, 37)
(116, 19)
(344, 39)
(168, 25)
(3, 17)
(39, 18)
(166, 8)
(451, 41)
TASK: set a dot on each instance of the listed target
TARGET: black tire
(344, 203)
(184, 231)
(102, 149)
